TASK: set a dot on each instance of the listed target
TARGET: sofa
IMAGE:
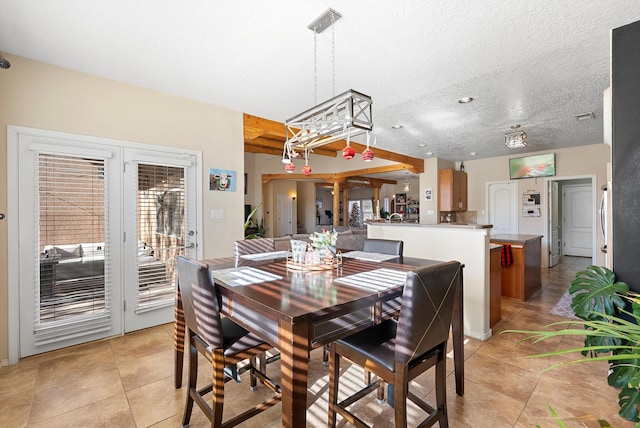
(73, 262)
(349, 238)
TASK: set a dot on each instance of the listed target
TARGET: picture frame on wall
(222, 180)
(401, 199)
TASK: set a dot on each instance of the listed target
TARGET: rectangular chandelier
(515, 140)
(341, 117)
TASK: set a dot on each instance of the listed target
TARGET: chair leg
(193, 380)
(400, 390)
(259, 363)
(218, 389)
(334, 374)
(325, 355)
(441, 392)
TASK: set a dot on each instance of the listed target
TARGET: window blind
(161, 230)
(71, 253)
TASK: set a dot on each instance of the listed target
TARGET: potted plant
(610, 320)
(258, 230)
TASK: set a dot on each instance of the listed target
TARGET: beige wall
(38, 95)
(571, 163)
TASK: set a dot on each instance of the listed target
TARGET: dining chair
(383, 246)
(257, 246)
(253, 246)
(389, 307)
(223, 342)
(397, 351)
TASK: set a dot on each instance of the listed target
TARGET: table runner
(378, 279)
(243, 275)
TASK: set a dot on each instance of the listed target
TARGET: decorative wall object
(531, 204)
(222, 179)
(428, 195)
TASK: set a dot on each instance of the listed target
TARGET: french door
(100, 223)
(159, 225)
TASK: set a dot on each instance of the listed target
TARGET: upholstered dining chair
(398, 351)
(383, 246)
(257, 246)
(253, 246)
(389, 307)
(223, 342)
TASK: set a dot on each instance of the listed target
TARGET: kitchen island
(466, 243)
(521, 276)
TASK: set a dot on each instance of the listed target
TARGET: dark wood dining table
(304, 310)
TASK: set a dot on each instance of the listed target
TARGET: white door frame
(545, 210)
(13, 274)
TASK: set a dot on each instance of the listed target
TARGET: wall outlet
(217, 213)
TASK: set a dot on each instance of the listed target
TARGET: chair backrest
(426, 311)
(199, 300)
(383, 246)
(254, 246)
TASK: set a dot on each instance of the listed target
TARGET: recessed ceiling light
(429, 153)
(473, 153)
(465, 100)
(422, 145)
(396, 126)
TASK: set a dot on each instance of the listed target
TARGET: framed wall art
(222, 180)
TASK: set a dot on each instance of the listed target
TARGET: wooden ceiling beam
(256, 127)
(339, 177)
(268, 143)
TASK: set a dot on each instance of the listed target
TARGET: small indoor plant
(610, 320)
(324, 240)
(257, 229)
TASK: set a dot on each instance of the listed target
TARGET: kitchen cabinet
(495, 281)
(453, 190)
(522, 278)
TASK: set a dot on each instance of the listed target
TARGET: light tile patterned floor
(128, 381)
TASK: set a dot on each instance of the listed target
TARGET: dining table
(297, 309)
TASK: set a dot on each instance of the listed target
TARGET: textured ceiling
(534, 63)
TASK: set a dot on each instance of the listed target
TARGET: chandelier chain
(333, 55)
(315, 67)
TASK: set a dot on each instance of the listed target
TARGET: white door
(87, 243)
(69, 227)
(160, 219)
(554, 224)
(285, 215)
(577, 229)
(503, 207)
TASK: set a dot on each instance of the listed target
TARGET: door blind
(161, 230)
(72, 253)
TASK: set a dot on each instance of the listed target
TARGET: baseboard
(4, 362)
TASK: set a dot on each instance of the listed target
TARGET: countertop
(493, 247)
(514, 238)
(441, 225)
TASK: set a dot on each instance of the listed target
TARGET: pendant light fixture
(341, 117)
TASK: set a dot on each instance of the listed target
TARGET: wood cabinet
(453, 190)
(495, 281)
(522, 278)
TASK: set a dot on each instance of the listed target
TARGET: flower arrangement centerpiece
(324, 242)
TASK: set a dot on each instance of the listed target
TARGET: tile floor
(128, 381)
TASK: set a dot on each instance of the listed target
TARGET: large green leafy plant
(611, 331)
(261, 230)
